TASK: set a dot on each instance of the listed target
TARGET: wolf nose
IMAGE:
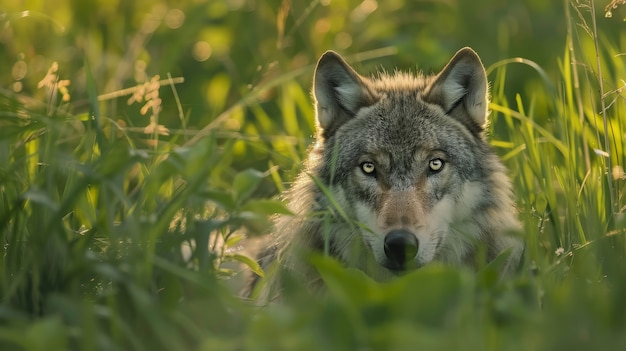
(400, 247)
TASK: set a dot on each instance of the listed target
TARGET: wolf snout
(400, 247)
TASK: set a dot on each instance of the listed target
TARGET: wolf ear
(461, 90)
(339, 92)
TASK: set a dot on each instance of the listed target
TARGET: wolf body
(402, 165)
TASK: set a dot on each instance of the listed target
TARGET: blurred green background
(132, 129)
(235, 50)
(227, 49)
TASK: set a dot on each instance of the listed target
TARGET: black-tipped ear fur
(339, 92)
(461, 90)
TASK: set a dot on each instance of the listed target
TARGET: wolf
(404, 174)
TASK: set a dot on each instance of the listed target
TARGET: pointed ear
(339, 92)
(461, 90)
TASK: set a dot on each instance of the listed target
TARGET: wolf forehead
(459, 91)
(400, 116)
(404, 115)
(400, 123)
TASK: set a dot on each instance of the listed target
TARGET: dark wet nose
(400, 247)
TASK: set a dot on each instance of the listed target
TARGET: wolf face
(406, 157)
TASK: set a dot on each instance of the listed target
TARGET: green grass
(118, 238)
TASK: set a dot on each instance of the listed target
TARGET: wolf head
(406, 157)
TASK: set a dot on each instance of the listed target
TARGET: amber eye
(436, 164)
(368, 168)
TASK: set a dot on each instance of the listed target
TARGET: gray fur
(399, 125)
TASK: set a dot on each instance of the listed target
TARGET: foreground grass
(119, 240)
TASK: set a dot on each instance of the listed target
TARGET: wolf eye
(368, 168)
(436, 164)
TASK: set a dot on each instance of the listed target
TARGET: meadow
(141, 141)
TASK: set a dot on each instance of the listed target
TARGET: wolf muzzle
(400, 247)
